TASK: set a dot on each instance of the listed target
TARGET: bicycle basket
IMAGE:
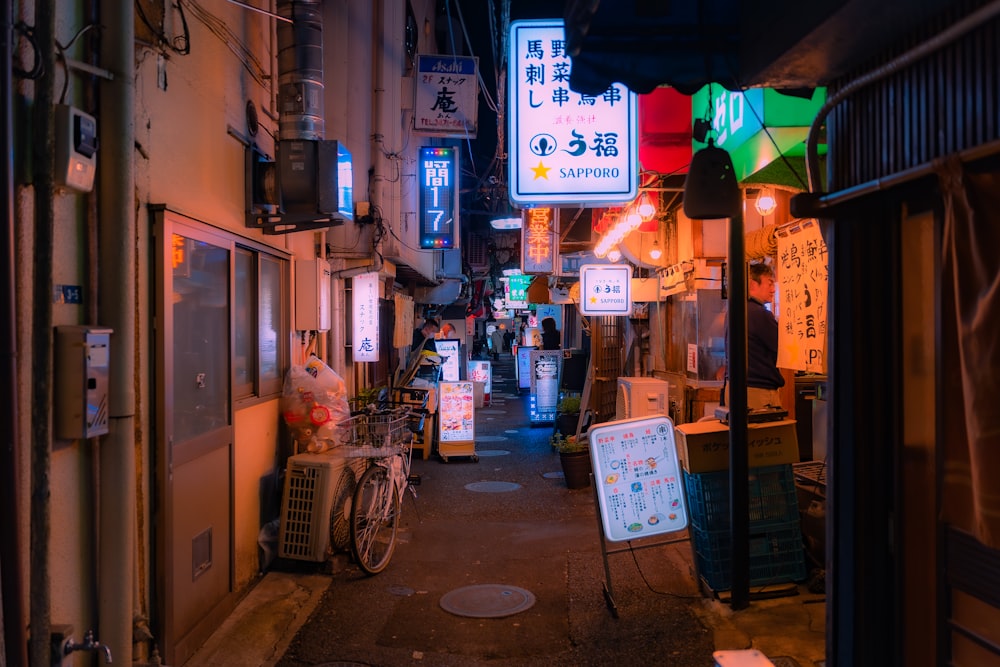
(378, 433)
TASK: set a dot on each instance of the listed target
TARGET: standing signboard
(545, 367)
(456, 420)
(565, 147)
(639, 486)
(802, 298)
(449, 349)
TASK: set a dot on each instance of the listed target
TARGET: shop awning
(781, 44)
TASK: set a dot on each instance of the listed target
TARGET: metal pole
(738, 463)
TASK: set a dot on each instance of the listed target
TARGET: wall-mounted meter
(76, 148)
(82, 357)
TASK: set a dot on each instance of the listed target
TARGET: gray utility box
(82, 358)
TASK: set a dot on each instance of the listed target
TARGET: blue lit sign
(438, 174)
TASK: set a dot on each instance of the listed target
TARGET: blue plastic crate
(772, 497)
(776, 555)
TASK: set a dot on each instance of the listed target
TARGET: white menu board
(639, 489)
(802, 282)
(456, 415)
(450, 350)
(481, 371)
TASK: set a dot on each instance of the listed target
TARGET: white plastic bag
(314, 406)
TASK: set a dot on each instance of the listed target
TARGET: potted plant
(568, 415)
(574, 455)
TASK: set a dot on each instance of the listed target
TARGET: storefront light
(655, 251)
(765, 203)
(614, 254)
(644, 206)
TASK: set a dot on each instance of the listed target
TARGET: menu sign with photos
(636, 470)
(802, 283)
(455, 412)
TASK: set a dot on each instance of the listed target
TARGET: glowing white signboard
(365, 314)
(605, 289)
(638, 478)
(565, 147)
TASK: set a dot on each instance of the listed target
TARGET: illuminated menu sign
(605, 289)
(638, 478)
(539, 238)
(438, 173)
(365, 315)
(565, 147)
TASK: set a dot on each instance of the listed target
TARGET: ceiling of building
(781, 44)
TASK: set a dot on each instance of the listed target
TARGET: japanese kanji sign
(446, 96)
(365, 312)
(565, 147)
(605, 289)
(802, 281)
(438, 195)
(539, 240)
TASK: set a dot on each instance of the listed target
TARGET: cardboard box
(704, 446)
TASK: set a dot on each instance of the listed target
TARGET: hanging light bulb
(645, 207)
(655, 251)
(614, 254)
(766, 203)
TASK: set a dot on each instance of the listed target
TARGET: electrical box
(312, 295)
(82, 358)
(76, 148)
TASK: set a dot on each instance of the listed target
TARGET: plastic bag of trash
(314, 405)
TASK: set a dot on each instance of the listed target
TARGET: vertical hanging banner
(446, 96)
(565, 147)
(539, 240)
(438, 173)
(365, 316)
(802, 284)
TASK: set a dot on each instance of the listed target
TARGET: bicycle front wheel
(374, 520)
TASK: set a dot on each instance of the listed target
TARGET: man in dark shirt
(423, 338)
(763, 377)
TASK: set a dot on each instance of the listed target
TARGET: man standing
(763, 377)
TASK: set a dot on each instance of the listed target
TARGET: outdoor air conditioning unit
(315, 505)
(640, 397)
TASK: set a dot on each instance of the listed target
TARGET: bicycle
(384, 437)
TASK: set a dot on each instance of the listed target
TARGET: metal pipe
(959, 28)
(15, 637)
(117, 309)
(300, 71)
(40, 603)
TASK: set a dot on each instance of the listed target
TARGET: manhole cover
(492, 452)
(493, 487)
(401, 591)
(490, 438)
(487, 601)
(511, 430)
(558, 474)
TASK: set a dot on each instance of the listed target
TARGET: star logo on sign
(541, 171)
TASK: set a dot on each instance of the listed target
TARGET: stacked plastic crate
(776, 548)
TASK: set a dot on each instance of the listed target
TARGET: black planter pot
(566, 423)
(576, 468)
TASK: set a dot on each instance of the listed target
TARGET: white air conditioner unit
(315, 504)
(641, 397)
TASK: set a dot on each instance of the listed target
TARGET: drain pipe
(40, 603)
(945, 37)
(15, 638)
(117, 281)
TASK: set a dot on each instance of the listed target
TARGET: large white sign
(446, 99)
(365, 312)
(605, 289)
(565, 147)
